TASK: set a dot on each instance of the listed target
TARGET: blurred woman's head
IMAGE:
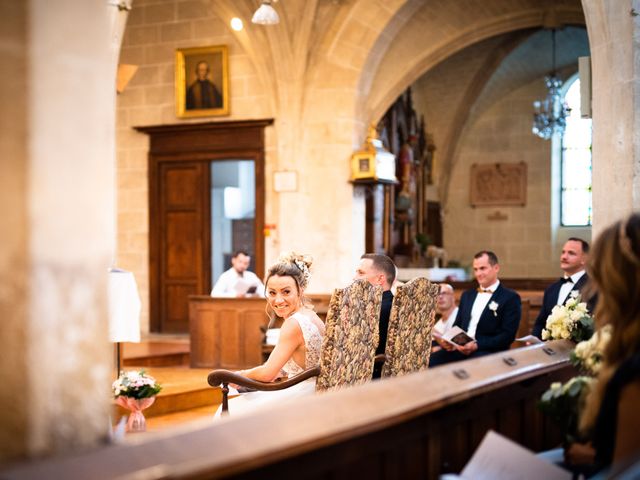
(614, 269)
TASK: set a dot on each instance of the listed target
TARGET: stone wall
(154, 31)
(523, 242)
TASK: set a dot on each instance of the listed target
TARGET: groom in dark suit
(572, 262)
(490, 314)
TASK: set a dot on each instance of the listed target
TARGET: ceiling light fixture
(549, 116)
(236, 24)
(265, 14)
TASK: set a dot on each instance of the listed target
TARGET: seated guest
(490, 314)
(446, 312)
(379, 270)
(572, 262)
(238, 281)
(300, 341)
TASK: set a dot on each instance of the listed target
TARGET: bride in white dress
(301, 335)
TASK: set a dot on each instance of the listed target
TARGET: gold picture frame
(210, 95)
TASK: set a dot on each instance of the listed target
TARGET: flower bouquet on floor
(135, 391)
(571, 321)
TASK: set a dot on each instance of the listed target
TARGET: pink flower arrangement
(135, 384)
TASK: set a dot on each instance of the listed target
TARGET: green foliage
(564, 403)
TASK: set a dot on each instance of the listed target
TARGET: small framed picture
(202, 81)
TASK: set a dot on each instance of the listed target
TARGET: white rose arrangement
(569, 321)
(588, 354)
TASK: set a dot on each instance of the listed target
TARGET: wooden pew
(414, 426)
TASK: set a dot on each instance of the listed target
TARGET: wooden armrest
(224, 377)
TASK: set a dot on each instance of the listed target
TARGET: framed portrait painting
(202, 81)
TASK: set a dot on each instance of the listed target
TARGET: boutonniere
(574, 293)
(493, 306)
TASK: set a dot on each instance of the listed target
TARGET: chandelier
(549, 115)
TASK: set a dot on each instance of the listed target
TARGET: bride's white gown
(250, 402)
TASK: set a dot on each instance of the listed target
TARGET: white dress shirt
(482, 298)
(231, 283)
(445, 324)
(566, 287)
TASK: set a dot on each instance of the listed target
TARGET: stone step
(169, 352)
(182, 389)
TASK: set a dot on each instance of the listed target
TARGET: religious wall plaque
(502, 184)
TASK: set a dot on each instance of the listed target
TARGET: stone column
(615, 61)
(57, 91)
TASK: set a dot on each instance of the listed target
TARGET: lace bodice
(312, 343)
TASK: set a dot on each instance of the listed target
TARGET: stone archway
(615, 75)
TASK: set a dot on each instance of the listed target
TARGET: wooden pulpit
(226, 332)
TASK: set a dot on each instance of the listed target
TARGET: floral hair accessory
(302, 262)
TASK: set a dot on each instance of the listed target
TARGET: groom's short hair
(383, 264)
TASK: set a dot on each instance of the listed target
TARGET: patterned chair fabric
(410, 325)
(351, 336)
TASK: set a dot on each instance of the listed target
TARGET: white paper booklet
(499, 457)
(241, 287)
(529, 339)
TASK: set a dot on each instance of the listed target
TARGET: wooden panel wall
(226, 332)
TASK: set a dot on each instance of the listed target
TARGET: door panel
(184, 220)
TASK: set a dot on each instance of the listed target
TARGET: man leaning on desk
(238, 281)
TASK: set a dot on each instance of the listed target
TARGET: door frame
(200, 142)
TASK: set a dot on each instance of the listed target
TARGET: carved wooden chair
(410, 327)
(348, 349)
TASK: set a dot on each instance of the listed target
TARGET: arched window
(575, 166)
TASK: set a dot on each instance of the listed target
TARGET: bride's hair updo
(292, 265)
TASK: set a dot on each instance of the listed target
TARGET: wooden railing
(416, 426)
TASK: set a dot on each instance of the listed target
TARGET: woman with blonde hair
(301, 334)
(610, 416)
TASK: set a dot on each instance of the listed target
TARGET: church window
(575, 167)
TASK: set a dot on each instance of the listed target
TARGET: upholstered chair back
(351, 336)
(410, 325)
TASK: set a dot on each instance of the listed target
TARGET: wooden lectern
(226, 332)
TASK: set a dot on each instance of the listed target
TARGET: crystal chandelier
(549, 116)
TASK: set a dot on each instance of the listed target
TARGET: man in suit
(572, 262)
(379, 270)
(490, 314)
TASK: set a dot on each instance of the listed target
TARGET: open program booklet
(498, 457)
(456, 336)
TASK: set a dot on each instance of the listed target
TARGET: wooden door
(180, 210)
(184, 241)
